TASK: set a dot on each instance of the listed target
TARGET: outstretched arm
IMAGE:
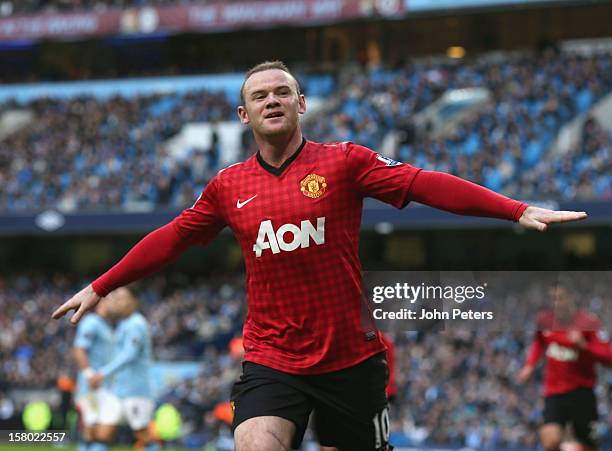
(196, 225)
(601, 351)
(152, 253)
(595, 344)
(398, 183)
(453, 194)
(155, 251)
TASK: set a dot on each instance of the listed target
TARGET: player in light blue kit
(128, 371)
(92, 349)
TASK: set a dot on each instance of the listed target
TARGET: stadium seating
(505, 146)
(88, 153)
(85, 153)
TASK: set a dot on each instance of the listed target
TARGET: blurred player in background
(93, 346)
(128, 371)
(295, 208)
(573, 343)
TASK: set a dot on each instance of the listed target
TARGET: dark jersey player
(295, 208)
(573, 344)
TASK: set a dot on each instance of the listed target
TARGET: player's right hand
(524, 374)
(84, 301)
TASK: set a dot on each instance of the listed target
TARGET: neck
(276, 150)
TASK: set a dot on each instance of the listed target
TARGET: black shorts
(350, 405)
(577, 408)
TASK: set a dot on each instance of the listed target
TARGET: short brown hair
(267, 65)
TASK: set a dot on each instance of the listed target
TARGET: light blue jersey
(95, 335)
(129, 368)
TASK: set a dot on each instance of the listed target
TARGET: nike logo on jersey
(242, 204)
(268, 238)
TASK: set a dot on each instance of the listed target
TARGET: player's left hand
(84, 301)
(539, 218)
(96, 380)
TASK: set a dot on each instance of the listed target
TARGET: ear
(301, 104)
(243, 115)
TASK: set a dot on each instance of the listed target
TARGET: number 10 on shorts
(381, 428)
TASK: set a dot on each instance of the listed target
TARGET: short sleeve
(85, 335)
(380, 177)
(202, 222)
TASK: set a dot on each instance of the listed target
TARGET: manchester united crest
(313, 186)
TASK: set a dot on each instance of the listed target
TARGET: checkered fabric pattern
(304, 295)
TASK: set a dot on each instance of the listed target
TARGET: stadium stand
(505, 146)
(584, 171)
(119, 142)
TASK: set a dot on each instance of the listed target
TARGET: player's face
(103, 308)
(271, 103)
(563, 302)
(120, 304)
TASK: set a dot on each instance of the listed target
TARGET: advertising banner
(213, 17)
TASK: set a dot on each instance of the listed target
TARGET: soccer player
(295, 208)
(573, 343)
(92, 349)
(129, 372)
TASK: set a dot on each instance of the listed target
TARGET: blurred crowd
(458, 388)
(84, 153)
(10, 7)
(504, 147)
(455, 387)
(184, 322)
(89, 154)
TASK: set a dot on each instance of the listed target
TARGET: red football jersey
(298, 227)
(569, 367)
